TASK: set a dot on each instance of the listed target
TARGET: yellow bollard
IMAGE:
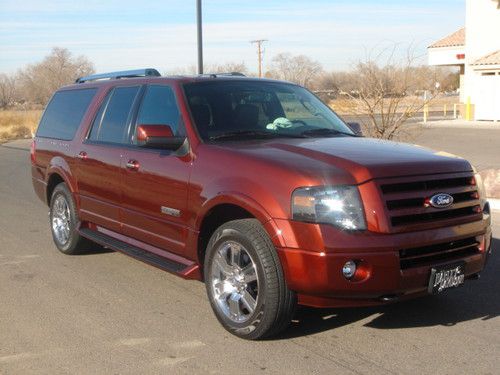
(426, 113)
(455, 110)
(467, 109)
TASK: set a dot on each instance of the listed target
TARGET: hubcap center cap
(236, 280)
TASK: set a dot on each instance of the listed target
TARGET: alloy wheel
(61, 219)
(234, 282)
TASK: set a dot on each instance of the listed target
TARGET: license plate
(450, 276)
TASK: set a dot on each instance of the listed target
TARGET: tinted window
(98, 119)
(64, 113)
(111, 126)
(242, 109)
(159, 107)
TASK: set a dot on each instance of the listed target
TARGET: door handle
(82, 155)
(132, 165)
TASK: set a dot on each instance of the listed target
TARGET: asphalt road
(106, 313)
(478, 145)
(477, 142)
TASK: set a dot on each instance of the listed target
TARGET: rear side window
(159, 107)
(65, 113)
(111, 122)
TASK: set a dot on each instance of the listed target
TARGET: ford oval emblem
(441, 200)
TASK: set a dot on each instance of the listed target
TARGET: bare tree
(228, 67)
(299, 69)
(8, 90)
(335, 81)
(448, 78)
(60, 67)
(384, 94)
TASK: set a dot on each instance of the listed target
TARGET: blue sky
(127, 34)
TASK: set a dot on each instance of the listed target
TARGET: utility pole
(200, 37)
(259, 52)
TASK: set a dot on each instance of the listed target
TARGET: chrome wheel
(234, 281)
(61, 219)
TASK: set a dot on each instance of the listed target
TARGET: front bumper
(313, 258)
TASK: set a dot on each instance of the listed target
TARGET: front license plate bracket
(446, 277)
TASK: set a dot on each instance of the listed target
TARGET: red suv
(257, 188)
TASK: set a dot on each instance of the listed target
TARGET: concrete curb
(18, 144)
(462, 124)
(494, 204)
(491, 181)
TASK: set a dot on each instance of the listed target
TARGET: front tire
(64, 222)
(245, 283)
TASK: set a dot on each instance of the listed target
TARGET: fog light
(349, 269)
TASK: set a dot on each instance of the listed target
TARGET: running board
(189, 271)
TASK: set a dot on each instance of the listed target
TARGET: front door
(155, 182)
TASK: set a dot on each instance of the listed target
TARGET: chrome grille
(406, 201)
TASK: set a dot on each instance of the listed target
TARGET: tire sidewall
(63, 190)
(251, 326)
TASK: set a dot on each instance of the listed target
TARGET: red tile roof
(491, 59)
(452, 40)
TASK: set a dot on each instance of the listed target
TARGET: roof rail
(230, 74)
(122, 74)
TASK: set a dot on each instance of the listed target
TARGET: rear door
(99, 159)
(155, 182)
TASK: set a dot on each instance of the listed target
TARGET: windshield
(258, 109)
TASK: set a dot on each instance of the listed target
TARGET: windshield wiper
(252, 134)
(324, 132)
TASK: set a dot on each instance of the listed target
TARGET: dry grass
(18, 123)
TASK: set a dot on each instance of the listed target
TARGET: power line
(259, 52)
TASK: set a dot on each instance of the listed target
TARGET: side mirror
(356, 128)
(158, 136)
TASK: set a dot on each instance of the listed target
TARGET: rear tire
(64, 222)
(245, 283)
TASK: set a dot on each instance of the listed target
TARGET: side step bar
(188, 271)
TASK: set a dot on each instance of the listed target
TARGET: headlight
(337, 205)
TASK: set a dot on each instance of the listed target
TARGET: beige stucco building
(476, 50)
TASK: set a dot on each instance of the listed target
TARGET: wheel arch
(227, 207)
(54, 180)
(55, 176)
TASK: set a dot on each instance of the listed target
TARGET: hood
(361, 159)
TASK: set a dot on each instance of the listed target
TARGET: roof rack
(230, 74)
(122, 74)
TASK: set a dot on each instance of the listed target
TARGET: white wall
(482, 28)
(482, 36)
(487, 96)
(445, 55)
